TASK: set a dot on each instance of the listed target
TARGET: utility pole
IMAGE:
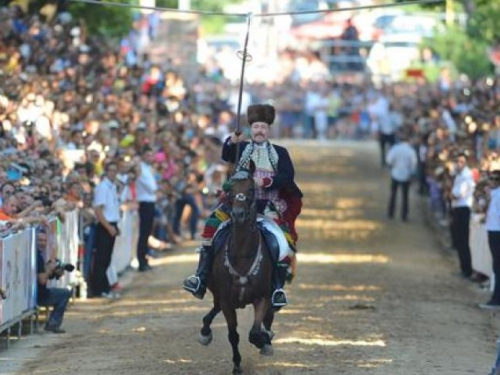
(450, 15)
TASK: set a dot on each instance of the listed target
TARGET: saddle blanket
(268, 225)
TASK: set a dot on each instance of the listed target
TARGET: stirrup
(192, 284)
(276, 294)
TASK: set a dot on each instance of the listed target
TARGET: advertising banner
(18, 275)
(126, 242)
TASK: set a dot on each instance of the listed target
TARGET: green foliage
(427, 7)
(210, 24)
(109, 21)
(212, 5)
(467, 49)
(213, 25)
(467, 54)
(167, 3)
(483, 24)
(208, 5)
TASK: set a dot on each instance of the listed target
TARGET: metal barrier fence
(18, 276)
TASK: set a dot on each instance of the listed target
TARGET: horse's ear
(251, 167)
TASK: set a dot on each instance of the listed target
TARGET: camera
(46, 202)
(65, 266)
(68, 267)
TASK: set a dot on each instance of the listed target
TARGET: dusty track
(372, 296)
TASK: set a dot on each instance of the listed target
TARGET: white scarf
(264, 156)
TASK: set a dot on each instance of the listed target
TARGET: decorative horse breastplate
(244, 281)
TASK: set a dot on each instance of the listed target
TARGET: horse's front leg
(234, 338)
(258, 336)
(268, 322)
(205, 337)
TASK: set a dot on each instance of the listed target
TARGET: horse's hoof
(267, 350)
(205, 340)
(237, 370)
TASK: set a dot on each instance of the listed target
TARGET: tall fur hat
(260, 113)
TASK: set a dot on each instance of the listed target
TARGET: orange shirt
(72, 199)
(4, 216)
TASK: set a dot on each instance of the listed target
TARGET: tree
(109, 21)
(483, 24)
(173, 4)
(468, 55)
(207, 5)
(467, 47)
(468, 6)
(210, 24)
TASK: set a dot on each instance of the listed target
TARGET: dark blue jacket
(283, 180)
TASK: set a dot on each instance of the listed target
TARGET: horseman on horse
(277, 196)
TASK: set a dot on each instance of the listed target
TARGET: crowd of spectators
(446, 122)
(70, 103)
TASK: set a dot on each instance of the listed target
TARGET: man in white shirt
(146, 196)
(107, 209)
(402, 159)
(379, 114)
(462, 197)
(312, 98)
(493, 228)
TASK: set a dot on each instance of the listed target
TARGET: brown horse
(242, 271)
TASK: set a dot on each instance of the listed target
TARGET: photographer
(56, 297)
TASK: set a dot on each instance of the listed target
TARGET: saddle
(270, 231)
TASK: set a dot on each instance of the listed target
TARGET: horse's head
(242, 195)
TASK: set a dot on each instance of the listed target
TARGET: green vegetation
(210, 24)
(105, 20)
(466, 47)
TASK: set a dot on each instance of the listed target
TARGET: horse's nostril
(238, 214)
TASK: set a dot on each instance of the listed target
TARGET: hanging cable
(171, 10)
(214, 13)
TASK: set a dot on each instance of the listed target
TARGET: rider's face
(260, 132)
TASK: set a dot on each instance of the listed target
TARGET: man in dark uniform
(277, 195)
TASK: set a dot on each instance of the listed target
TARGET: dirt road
(372, 296)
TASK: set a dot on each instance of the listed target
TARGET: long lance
(244, 56)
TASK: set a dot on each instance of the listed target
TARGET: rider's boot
(197, 284)
(279, 298)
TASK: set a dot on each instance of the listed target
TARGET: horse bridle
(240, 197)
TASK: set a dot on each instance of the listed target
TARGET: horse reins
(253, 271)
